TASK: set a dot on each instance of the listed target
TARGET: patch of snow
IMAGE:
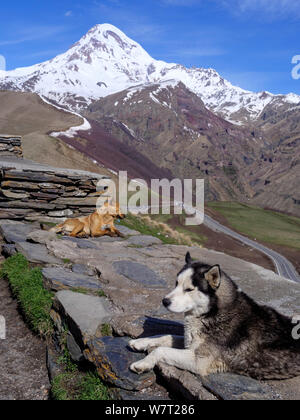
(72, 131)
(106, 61)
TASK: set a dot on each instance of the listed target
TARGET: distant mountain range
(106, 61)
(188, 121)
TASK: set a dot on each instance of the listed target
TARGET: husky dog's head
(196, 288)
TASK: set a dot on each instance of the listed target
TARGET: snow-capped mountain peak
(105, 61)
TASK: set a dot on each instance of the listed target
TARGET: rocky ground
(23, 373)
(109, 290)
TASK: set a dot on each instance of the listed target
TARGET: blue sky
(250, 42)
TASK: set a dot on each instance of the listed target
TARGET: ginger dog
(97, 224)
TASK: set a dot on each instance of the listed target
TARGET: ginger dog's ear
(188, 258)
(213, 277)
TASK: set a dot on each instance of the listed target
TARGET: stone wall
(45, 194)
(10, 146)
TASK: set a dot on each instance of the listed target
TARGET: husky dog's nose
(166, 302)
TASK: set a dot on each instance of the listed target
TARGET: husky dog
(225, 330)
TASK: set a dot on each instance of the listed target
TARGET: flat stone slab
(83, 269)
(29, 165)
(113, 357)
(60, 279)
(139, 273)
(126, 231)
(36, 253)
(14, 232)
(184, 383)
(141, 326)
(41, 236)
(81, 243)
(143, 241)
(232, 387)
(83, 313)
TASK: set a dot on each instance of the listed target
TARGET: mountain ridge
(105, 61)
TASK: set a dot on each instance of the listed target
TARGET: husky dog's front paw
(141, 344)
(141, 366)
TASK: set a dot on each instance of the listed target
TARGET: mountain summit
(106, 61)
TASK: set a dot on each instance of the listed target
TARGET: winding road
(283, 266)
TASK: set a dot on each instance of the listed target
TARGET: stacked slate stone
(10, 146)
(47, 195)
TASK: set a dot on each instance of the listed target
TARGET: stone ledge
(34, 192)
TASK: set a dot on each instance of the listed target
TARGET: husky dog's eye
(189, 290)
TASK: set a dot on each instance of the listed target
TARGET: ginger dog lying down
(98, 224)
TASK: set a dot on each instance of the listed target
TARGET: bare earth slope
(26, 114)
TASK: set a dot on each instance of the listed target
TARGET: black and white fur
(225, 330)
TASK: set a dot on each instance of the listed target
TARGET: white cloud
(180, 2)
(271, 8)
(202, 52)
(33, 34)
(69, 13)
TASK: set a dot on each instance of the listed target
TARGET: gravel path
(23, 372)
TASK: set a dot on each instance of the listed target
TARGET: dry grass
(180, 238)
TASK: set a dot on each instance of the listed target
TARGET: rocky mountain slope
(277, 180)
(171, 125)
(106, 61)
(27, 115)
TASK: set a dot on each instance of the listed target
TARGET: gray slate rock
(36, 253)
(15, 232)
(83, 269)
(82, 313)
(112, 358)
(227, 386)
(139, 273)
(74, 349)
(52, 366)
(60, 278)
(126, 231)
(81, 243)
(41, 236)
(184, 383)
(105, 239)
(8, 250)
(143, 241)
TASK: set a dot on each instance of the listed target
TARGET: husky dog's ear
(188, 258)
(213, 276)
